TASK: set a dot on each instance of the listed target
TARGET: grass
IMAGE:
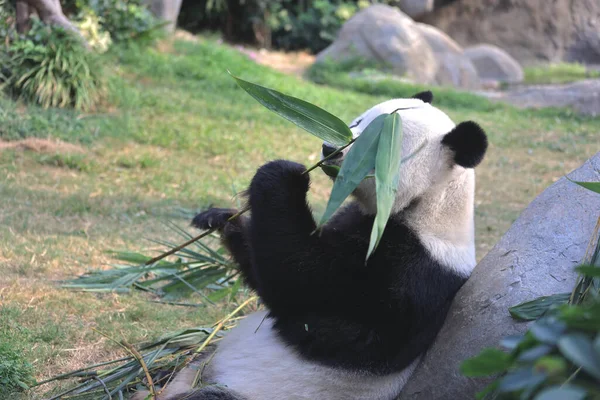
(178, 136)
(558, 73)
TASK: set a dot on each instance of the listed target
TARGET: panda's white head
(438, 182)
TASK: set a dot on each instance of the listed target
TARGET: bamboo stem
(236, 215)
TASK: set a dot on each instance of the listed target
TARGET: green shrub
(285, 24)
(15, 372)
(51, 67)
(125, 20)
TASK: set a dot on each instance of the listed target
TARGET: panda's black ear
(468, 142)
(425, 97)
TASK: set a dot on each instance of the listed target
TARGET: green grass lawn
(176, 135)
(558, 73)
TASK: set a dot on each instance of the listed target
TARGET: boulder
(530, 30)
(494, 64)
(385, 35)
(453, 67)
(415, 8)
(583, 96)
(536, 257)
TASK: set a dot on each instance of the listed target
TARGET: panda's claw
(213, 218)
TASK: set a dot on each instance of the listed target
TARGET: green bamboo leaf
(593, 186)
(387, 175)
(534, 309)
(520, 379)
(565, 392)
(330, 170)
(490, 361)
(307, 116)
(589, 271)
(578, 348)
(358, 163)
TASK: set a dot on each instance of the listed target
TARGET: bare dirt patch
(38, 145)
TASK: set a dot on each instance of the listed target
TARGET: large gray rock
(384, 34)
(535, 257)
(415, 8)
(453, 67)
(494, 64)
(582, 96)
(530, 30)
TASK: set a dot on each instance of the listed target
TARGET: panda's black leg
(234, 236)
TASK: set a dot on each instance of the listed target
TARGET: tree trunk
(23, 21)
(165, 11)
(51, 13)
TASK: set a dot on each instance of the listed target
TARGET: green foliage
(559, 356)
(378, 148)
(286, 24)
(534, 309)
(15, 372)
(358, 163)
(311, 118)
(200, 270)
(125, 20)
(51, 67)
(387, 175)
(558, 73)
(313, 28)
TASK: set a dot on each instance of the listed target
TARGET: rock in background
(529, 30)
(454, 69)
(583, 96)
(418, 52)
(415, 8)
(494, 64)
(534, 258)
(384, 34)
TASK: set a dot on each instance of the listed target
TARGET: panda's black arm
(289, 259)
(234, 236)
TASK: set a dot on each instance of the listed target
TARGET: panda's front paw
(278, 178)
(213, 218)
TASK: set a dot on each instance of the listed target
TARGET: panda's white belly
(257, 364)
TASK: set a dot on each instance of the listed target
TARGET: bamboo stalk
(236, 215)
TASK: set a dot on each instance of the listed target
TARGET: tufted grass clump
(51, 67)
(15, 372)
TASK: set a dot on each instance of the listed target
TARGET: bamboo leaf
(578, 348)
(593, 186)
(589, 271)
(564, 392)
(358, 163)
(534, 309)
(387, 175)
(490, 361)
(307, 116)
(521, 379)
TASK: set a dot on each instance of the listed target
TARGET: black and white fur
(335, 328)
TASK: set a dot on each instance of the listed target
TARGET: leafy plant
(125, 20)
(199, 270)
(559, 356)
(50, 67)
(15, 372)
(378, 149)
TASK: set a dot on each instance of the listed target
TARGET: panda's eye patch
(354, 125)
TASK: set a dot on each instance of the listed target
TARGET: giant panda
(335, 328)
